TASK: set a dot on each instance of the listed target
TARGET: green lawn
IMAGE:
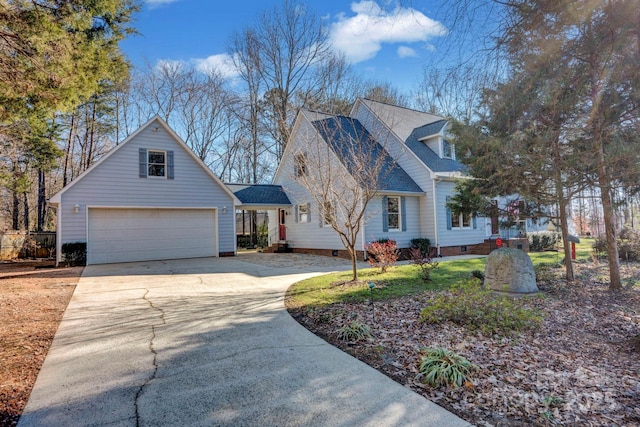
(401, 280)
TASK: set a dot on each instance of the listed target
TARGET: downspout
(435, 213)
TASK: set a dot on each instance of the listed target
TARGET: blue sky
(383, 40)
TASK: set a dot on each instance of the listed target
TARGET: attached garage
(149, 198)
(141, 234)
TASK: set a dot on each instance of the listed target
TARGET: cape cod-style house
(411, 200)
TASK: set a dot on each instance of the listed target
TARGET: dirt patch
(580, 368)
(33, 297)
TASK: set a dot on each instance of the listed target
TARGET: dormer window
(447, 149)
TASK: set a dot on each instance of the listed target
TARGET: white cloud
(157, 3)
(222, 63)
(360, 37)
(406, 52)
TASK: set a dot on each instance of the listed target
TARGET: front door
(282, 232)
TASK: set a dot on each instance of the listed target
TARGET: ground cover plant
(571, 357)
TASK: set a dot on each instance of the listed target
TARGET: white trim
(399, 213)
(166, 166)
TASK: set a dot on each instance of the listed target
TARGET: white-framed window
(461, 220)
(300, 165)
(393, 213)
(447, 150)
(156, 163)
(303, 213)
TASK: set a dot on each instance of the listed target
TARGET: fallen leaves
(579, 368)
(32, 303)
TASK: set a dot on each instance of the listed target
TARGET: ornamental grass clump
(354, 331)
(442, 367)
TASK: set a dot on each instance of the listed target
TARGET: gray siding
(374, 227)
(407, 161)
(116, 182)
(467, 236)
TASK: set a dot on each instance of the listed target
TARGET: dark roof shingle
(261, 194)
(348, 138)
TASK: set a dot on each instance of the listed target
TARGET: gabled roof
(260, 194)
(429, 129)
(344, 134)
(426, 154)
(401, 120)
(156, 120)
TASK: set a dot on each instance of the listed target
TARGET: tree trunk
(564, 226)
(615, 283)
(42, 199)
(354, 263)
(15, 211)
(26, 211)
(68, 154)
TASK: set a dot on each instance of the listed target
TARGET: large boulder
(510, 270)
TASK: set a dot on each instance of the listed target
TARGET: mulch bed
(33, 297)
(581, 367)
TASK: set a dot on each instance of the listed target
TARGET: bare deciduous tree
(342, 167)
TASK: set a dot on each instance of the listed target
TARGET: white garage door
(123, 235)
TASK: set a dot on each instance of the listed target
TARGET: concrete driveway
(208, 342)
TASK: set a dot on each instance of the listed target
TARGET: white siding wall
(116, 182)
(410, 163)
(309, 234)
(455, 237)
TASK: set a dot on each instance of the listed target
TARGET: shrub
(422, 260)
(469, 305)
(74, 253)
(382, 253)
(544, 272)
(543, 240)
(439, 366)
(478, 274)
(354, 331)
(628, 245)
(423, 244)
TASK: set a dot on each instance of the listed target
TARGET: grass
(401, 280)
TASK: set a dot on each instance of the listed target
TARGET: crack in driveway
(153, 351)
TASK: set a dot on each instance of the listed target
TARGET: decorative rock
(510, 270)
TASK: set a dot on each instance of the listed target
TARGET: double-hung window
(157, 163)
(393, 213)
(461, 220)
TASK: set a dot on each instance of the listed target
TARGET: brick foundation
(226, 254)
(484, 248)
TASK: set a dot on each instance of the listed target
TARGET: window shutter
(385, 213)
(170, 169)
(308, 212)
(403, 214)
(449, 224)
(475, 223)
(142, 160)
(295, 213)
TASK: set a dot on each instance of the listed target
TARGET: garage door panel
(122, 235)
